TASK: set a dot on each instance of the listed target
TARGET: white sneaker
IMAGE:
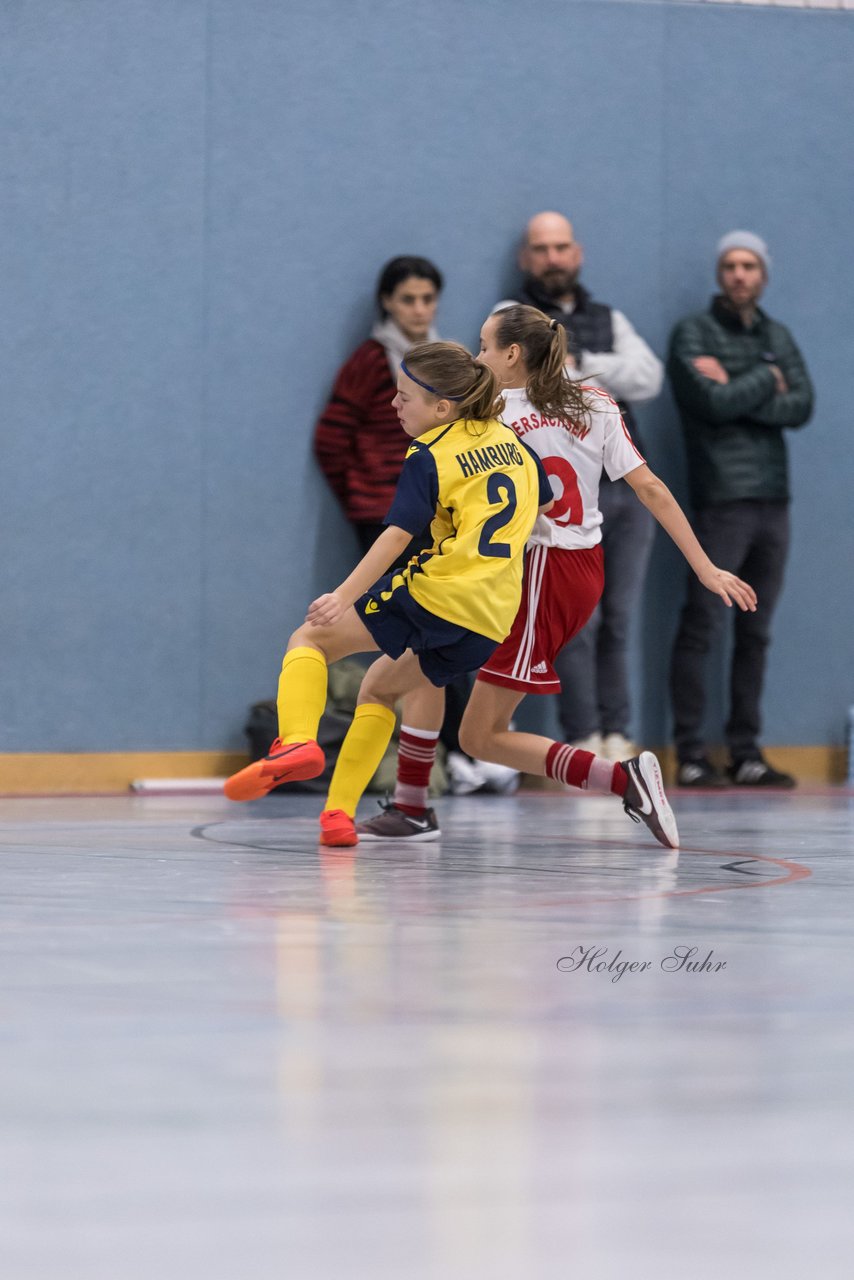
(500, 779)
(464, 775)
(616, 747)
(593, 742)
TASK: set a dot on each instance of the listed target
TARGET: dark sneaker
(292, 763)
(700, 774)
(394, 824)
(645, 800)
(758, 773)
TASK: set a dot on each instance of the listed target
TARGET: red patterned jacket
(359, 442)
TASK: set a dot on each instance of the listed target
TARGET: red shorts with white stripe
(560, 590)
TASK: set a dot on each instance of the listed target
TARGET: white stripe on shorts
(537, 569)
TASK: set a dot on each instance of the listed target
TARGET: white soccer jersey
(574, 458)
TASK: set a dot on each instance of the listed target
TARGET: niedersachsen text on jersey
(523, 425)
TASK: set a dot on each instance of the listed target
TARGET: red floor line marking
(795, 872)
(679, 794)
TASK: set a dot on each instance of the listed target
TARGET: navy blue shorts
(444, 650)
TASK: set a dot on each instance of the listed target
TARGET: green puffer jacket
(734, 430)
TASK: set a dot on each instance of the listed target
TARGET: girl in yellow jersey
(443, 614)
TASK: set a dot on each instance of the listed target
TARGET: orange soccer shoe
(291, 763)
(337, 828)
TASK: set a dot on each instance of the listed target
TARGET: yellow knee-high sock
(361, 752)
(302, 694)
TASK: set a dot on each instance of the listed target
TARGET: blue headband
(426, 385)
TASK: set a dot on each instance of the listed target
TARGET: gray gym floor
(227, 1054)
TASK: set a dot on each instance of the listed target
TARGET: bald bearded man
(607, 352)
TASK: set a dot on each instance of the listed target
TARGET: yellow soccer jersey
(481, 487)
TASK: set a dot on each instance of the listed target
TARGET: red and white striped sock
(577, 768)
(416, 753)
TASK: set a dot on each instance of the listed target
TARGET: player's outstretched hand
(730, 588)
(325, 610)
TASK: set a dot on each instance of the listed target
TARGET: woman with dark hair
(358, 442)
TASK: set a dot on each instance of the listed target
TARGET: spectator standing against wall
(739, 381)
(360, 446)
(358, 442)
(604, 351)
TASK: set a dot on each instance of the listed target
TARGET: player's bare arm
(657, 498)
(328, 608)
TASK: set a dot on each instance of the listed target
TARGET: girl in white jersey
(576, 432)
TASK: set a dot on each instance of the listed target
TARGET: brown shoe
(645, 800)
(394, 824)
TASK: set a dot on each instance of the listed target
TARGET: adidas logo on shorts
(539, 670)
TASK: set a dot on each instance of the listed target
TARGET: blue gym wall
(194, 201)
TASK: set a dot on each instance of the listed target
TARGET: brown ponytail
(448, 370)
(543, 345)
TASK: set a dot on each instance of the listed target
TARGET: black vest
(588, 328)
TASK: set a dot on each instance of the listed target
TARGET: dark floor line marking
(795, 871)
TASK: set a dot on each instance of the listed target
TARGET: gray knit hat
(745, 240)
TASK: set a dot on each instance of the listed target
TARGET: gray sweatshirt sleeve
(631, 372)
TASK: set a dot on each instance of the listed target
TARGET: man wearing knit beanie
(745, 240)
(739, 382)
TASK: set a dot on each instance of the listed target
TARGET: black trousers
(751, 539)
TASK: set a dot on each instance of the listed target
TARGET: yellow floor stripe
(34, 774)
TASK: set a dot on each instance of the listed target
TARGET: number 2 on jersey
(499, 488)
